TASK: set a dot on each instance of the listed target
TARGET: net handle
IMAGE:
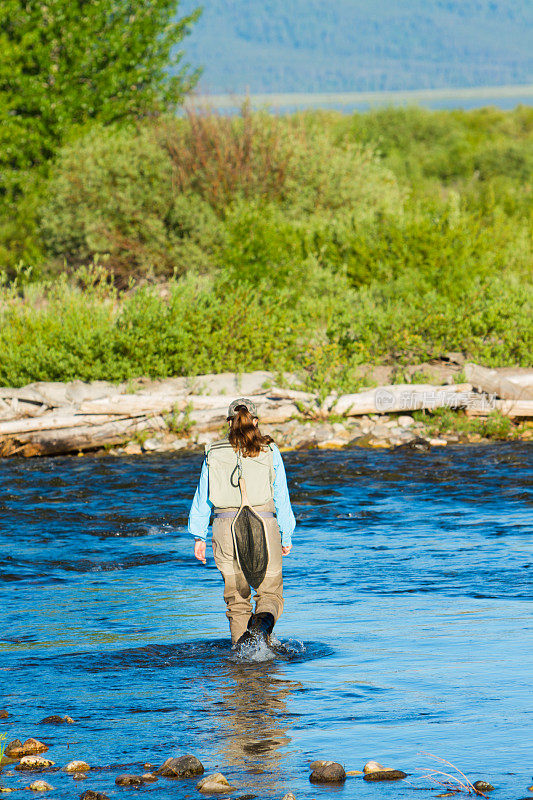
(242, 484)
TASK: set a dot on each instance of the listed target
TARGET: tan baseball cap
(242, 401)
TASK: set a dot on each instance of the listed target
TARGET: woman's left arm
(200, 514)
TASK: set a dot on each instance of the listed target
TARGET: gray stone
(76, 766)
(55, 719)
(405, 422)
(183, 767)
(132, 449)
(33, 764)
(328, 772)
(380, 431)
(40, 786)
(151, 445)
(179, 444)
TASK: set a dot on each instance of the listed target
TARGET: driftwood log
(506, 385)
(47, 418)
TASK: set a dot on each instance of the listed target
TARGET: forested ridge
(354, 45)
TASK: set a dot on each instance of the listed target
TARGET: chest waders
(246, 538)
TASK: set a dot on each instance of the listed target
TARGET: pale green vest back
(257, 471)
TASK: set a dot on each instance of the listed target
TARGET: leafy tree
(64, 63)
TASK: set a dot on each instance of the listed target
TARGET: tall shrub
(112, 196)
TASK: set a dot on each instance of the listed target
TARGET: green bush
(448, 146)
(316, 325)
(264, 158)
(491, 323)
(440, 247)
(288, 242)
(112, 194)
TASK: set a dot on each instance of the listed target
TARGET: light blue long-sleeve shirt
(201, 508)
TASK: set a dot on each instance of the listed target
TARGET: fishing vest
(257, 471)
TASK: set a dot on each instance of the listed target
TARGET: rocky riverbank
(372, 431)
(23, 761)
(177, 414)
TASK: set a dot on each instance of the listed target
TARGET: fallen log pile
(53, 418)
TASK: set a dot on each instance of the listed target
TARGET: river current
(407, 623)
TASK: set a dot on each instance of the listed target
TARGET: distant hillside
(360, 45)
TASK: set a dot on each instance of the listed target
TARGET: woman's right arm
(282, 502)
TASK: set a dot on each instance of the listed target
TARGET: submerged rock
(129, 780)
(4, 714)
(214, 784)
(76, 766)
(385, 775)
(55, 719)
(40, 786)
(33, 763)
(417, 443)
(91, 794)
(182, 767)
(327, 772)
(79, 776)
(483, 786)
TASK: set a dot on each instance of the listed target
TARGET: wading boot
(261, 625)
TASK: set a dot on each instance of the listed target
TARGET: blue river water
(407, 623)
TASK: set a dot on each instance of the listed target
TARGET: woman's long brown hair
(245, 436)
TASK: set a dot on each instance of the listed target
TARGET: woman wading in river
(243, 482)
